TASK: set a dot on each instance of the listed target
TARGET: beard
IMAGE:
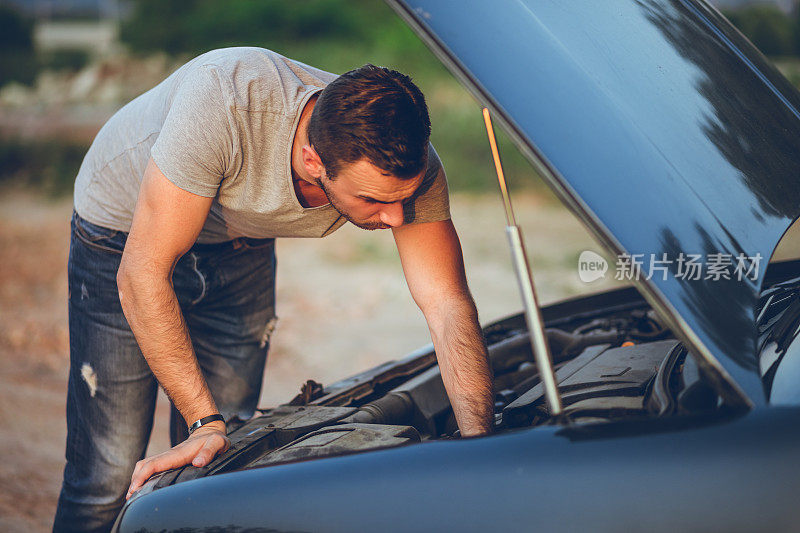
(335, 203)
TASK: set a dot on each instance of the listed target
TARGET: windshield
(779, 347)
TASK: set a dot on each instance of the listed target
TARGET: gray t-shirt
(222, 126)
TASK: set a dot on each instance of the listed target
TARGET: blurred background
(67, 65)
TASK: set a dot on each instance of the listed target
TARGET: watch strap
(205, 420)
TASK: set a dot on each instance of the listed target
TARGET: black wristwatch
(205, 420)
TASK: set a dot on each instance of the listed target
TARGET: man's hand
(434, 269)
(199, 449)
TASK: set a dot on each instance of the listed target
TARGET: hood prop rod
(533, 316)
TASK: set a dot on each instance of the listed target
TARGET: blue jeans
(227, 294)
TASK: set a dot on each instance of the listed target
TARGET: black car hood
(659, 125)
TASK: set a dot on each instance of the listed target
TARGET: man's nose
(392, 214)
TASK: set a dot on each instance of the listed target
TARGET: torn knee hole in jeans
(268, 329)
(90, 377)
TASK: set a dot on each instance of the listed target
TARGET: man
(171, 270)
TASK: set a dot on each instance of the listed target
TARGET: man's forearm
(464, 364)
(154, 315)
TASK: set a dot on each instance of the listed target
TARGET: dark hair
(374, 113)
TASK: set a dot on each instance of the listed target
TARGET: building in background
(90, 26)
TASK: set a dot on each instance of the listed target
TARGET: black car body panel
(658, 123)
(688, 475)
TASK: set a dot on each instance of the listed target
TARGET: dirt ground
(342, 304)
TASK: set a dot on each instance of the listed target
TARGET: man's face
(367, 196)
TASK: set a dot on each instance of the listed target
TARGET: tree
(17, 60)
(767, 27)
(196, 26)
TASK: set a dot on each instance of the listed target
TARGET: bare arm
(434, 269)
(166, 222)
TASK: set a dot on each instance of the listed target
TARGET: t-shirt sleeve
(196, 144)
(431, 202)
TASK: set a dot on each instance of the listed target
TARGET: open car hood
(660, 126)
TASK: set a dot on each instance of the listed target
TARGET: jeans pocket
(98, 237)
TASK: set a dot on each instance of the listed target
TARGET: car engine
(612, 364)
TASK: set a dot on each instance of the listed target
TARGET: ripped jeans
(227, 295)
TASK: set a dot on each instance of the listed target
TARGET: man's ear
(312, 162)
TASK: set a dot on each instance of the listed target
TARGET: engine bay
(614, 363)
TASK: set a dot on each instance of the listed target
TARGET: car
(677, 404)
